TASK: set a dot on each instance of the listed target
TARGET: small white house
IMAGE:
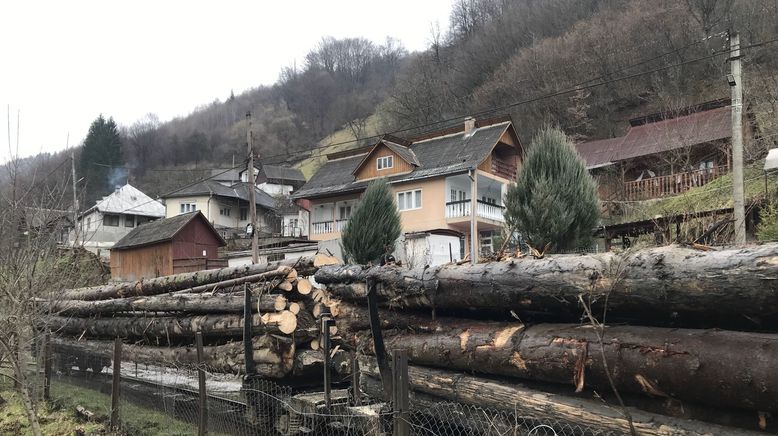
(114, 216)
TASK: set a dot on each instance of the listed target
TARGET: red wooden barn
(183, 243)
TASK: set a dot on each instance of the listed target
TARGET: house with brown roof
(663, 154)
(434, 179)
(183, 243)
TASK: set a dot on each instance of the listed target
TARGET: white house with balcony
(434, 179)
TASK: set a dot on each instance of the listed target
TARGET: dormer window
(384, 162)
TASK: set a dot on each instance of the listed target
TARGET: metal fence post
(400, 401)
(355, 390)
(47, 366)
(326, 322)
(116, 383)
(202, 422)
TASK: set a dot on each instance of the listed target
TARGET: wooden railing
(662, 186)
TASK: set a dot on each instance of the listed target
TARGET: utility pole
(473, 216)
(736, 83)
(252, 193)
(75, 195)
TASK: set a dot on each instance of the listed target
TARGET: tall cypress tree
(555, 198)
(374, 227)
(101, 160)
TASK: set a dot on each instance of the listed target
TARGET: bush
(767, 229)
(555, 199)
(374, 227)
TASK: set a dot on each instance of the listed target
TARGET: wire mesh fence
(160, 400)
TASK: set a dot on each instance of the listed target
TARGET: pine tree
(374, 227)
(101, 155)
(555, 199)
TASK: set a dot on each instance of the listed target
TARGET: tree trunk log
(525, 402)
(703, 366)
(179, 282)
(187, 303)
(171, 327)
(274, 356)
(666, 286)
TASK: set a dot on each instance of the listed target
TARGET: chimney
(469, 124)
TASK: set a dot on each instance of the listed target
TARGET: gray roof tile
(158, 231)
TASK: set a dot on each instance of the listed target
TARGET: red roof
(660, 136)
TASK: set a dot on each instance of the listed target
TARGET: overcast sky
(65, 62)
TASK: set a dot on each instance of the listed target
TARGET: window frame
(129, 221)
(188, 207)
(110, 222)
(385, 162)
(416, 198)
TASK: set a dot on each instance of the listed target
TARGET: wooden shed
(183, 243)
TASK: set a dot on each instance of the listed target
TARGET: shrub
(374, 226)
(555, 199)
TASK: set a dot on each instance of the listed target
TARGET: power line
(575, 88)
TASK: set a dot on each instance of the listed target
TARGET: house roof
(648, 136)
(239, 191)
(162, 230)
(225, 175)
(129, 200)
(278, 172)
(436, 156)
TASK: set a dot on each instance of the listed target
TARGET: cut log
(304, 286)
(702, 366)
(285, 286)
(292, 276)
(294, 308)
(205, 279)
(666, 286)
(320, 260)
(187, 303)
(171, 327)
(318, 295)
(525, 402)
(274, 356)
(285, 322)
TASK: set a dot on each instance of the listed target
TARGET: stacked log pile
(687, 339)
(158, 319)
(528, 335)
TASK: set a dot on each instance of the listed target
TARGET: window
(385, 162)
(188, 207)
(111, 220)
(225, 211)
(89, 222)
(244, 214)
(457, 195)
(409, 200)
(345, 212)
(129, 221)
(489, 200)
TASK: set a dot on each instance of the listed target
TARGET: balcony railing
(461, 208)
(340, 225)
(662, 186)
(322, 227)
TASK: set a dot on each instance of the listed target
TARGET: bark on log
(665, 285)
(516, 398)
(703, 366)
(187, 303)
(274, 356)
(178, 282)
(170, 327)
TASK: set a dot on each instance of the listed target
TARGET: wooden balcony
(663, 186)
(504, 169)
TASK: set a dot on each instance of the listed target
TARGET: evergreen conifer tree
(374, 227)
(555, 199)
(100, 154)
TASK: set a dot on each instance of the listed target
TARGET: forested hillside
(493, 57)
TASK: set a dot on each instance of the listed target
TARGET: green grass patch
(53, 420)
(135, 420)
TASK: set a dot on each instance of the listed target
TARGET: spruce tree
(555, 199)
(374, 226)
(101, 157)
